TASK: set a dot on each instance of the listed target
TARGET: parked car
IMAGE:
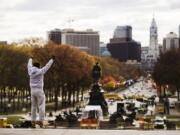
(111, 100)
(172, 105)
(159, 123)
(172, 102)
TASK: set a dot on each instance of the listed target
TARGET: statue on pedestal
(96, 95)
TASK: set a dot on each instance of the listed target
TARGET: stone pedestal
(97, 98)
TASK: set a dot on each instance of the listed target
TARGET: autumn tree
(70, 73)
(69, 77)
(13, 72)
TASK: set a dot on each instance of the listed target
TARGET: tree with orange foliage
(108, 83)
(71, 71)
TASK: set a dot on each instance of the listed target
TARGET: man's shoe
(41, 124)
(33, 124)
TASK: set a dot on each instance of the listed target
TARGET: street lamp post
(6, 108)
(9, 106)
(25, 103)
(24, 109)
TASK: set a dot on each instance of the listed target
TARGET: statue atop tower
(151, 53)
(154, 47)
(96, 95)
(153, 28)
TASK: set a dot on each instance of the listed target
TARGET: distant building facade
(123, 33)
(84, 49)
(104, 51)
(55, 36)
(122, 47)
(144, 53)
(3, 42)
(87, 41)
(171, 41)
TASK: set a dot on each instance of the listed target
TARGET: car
(159, 123)
(111, 100)
(9, 126)
(172, 105)
(172, 102)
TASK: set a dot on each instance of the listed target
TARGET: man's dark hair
(36, 64)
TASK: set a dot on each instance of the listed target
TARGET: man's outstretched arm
(47, 66)
(29, 66)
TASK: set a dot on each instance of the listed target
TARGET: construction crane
(70, 21)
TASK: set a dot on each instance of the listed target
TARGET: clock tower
(154, 48)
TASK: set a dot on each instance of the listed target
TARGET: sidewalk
(84, 132)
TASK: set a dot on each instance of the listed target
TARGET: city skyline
(21, 19)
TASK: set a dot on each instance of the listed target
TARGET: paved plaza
(84, 132)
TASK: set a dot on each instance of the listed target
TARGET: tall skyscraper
(150, 54)
(123, 32)
(171, 41)
(87, 40)
(122, 47)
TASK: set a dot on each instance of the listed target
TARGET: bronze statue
(96, 96)
(96, 72)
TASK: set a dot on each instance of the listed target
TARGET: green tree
(167, 69)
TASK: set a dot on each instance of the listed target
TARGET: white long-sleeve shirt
(37, 74)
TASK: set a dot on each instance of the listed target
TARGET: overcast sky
(21, 19)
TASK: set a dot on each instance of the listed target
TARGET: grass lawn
(173, 116)
(177, 123)
(142, 116)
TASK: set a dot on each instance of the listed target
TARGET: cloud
(22, 18)
(174, 4)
